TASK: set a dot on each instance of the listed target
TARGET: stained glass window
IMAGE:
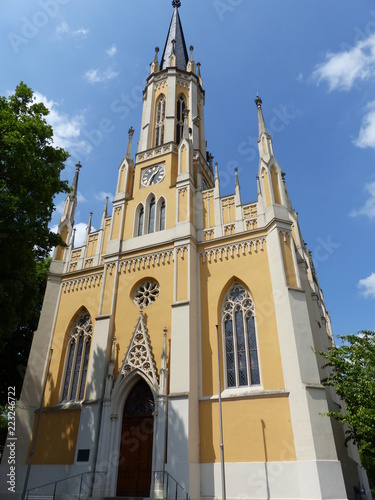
(78, 358)
(240, 343)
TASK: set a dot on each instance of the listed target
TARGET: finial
(156, 55)
(129, 148)
(88, 229)
(216, 170)
(191, 52)
(78, 166)
(199, 69)
(258, 102)
(236, 176)
(176, 4)
(173, 46)
(105, 211)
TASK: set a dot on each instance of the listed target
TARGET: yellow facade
(139, 305)
(256, 435)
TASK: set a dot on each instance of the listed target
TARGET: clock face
(152, 175)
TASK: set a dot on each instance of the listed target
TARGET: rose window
(146, 293)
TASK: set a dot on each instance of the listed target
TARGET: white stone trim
(76, 284)
(233, 249)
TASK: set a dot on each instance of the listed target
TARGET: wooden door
(135, 465)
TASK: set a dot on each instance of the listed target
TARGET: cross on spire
(176, 3)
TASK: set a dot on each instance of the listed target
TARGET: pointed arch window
(160, 121)
(79, 345)
(140, 221)
(162, 215)
(240, 342)
(181, 106)
(151, 216)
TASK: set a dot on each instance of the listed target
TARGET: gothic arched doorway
(135, 464)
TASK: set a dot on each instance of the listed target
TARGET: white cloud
(102, 195)
(97, 76)
(343, 69)
(369, 286)
(366, 136)
(80, 233)
(368, 208)
(66, 129)
(59, 209)
(112, 50)
(81, 198)
(300, 78)
(64, 29)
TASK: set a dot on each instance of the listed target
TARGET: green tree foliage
(15, 351)
(351, 369)
(30, 168)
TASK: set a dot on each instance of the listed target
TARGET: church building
(179, 285)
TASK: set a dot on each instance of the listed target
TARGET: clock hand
(152, 177)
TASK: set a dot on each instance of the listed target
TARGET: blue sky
(312, 63)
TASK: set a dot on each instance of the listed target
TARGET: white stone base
(43, 474)
(274, 480)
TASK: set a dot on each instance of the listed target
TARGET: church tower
(125, 363)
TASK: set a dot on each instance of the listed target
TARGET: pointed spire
(236, 177)
(175, 33)
(74, 188)
(129, 148)
(154, 66)
(105, 213)
(88, 229)
(191, 64)
(156, 55)
(199, 74)
(262, 125)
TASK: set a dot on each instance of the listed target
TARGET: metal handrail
(55, 483)
(177, 487)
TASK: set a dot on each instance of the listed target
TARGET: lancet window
(239, 338)
(141, 216)
(162, 215)
(160, 121)
(181, 106)
(151, 216)
(78, 353)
